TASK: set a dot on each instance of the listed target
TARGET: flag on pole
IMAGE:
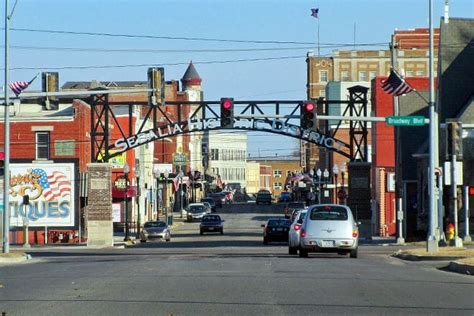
(395, 84)
(314, 12)
(18, 86)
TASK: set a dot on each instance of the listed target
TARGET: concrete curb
(17, 259)
(461, 268)
(410, 257)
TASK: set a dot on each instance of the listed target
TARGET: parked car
(155, 230)
(285, 197)
(211, 223)
(294, 233)
(211, 202)
(292, 206)
(329, 228)
(264, 196)
(276, 229)
(195, 211)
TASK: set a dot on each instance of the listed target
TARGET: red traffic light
(309, 107)
(227, 104)
(471, 190)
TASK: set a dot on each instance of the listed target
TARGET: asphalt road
(233, 274)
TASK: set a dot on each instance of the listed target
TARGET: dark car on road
(276, 229)
(291, 207)
(219, 199)
(211, 223)
(264, 197)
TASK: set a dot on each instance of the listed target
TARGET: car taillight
(355, 233)
(303, 233)
(297, 227)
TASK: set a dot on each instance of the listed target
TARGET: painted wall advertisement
(50, 190)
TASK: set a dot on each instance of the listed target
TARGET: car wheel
(292, 250)
(222, 232)
(354, 253)
(142, 240)
(303, 253)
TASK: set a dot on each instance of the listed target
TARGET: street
(232, 274)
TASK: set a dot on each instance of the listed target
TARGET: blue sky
(264, 20)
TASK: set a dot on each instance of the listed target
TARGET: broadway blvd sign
(406, 120)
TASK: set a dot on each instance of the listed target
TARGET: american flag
(314, 12)
(18, 86)
(54, 186)
(395, 84)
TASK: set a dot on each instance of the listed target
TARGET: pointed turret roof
(191, 76)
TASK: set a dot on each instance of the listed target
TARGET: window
(409, 73)
(372, 74)
(277, 173)
(277, 185)
(42, 145)
(362, 76)
(214, 154)
(323, 76)
(328, 213)
(345, 75)
(420, 73)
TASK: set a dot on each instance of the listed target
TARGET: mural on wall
(50, 191)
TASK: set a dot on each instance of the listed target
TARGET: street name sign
(405, 120)
(179, 159)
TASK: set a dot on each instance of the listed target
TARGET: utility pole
(398, 171)
(6, 126)
(432, 242)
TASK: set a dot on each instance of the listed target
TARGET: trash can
(169, 220)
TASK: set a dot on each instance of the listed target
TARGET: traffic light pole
(6, 126)
(457, 242)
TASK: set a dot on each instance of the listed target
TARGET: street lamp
(343, 173)
(164, 193)
(137, 173)
(335, 171)
(318, 173)
(126, 170)
(326, 175)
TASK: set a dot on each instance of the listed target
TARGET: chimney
(50, 83)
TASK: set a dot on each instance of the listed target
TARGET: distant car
(276, 229)
(329, 228)
(195, 211)
(208, 207)
(294, 233)
(285, 197)
(264, 197)
(211, 223)
(219, 198)
(290, 207)
(211, 202)
(155, 230)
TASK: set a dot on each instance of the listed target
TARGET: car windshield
(328, 213)
(302, 215)
(196, 208)
(279, 223)
(155, 224)
(211, 219)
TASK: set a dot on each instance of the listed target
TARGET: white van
(329, 228)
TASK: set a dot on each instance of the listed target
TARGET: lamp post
(157, 174)
(335, 171)
(318, 173)
(126, 170)
(181, 193)
(326, 175)
(137, 172)
(164, 193)
(343, 173)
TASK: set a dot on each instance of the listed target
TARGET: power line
(159, 65)
(183, 38)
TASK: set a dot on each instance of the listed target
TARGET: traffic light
(308, 115)
(453, 139)
(227, 112)
(156, 81)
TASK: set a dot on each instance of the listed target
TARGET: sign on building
(179, 159)
(50, 188)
